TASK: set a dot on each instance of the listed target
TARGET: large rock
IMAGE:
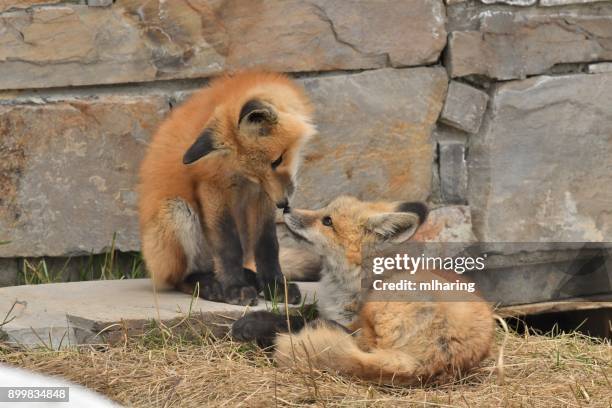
(69, 166)
(374, 138)
(508, 44)
(540, 168)
(132, 41)
(68, 170)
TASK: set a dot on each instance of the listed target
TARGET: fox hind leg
(163, 253)
(199, 269)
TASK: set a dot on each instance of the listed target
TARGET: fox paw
(212, 291)
(244, 295)
(208, 286)
(260, 327)
(276, 292)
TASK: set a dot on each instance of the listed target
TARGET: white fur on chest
(340, 292)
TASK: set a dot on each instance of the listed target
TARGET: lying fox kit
(210, 182)
(394, 342)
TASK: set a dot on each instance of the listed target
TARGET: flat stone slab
(61, 314)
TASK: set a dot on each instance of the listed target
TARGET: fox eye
(277, 162)
(327, 221)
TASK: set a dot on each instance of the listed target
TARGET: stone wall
(503, 105)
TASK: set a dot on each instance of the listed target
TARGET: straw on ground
(161, 369)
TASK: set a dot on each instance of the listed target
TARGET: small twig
(6, 319)
(500, 357)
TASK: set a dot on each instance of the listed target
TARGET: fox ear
(415, 207)
(256, 118)
(203, 145)
(393, 227)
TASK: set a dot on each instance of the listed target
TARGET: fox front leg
(268, 266)
(228, 256)
(262, 327)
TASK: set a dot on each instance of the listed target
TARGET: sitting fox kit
(210, 183)
(394, 342)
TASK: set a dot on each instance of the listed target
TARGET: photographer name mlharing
(428, 286)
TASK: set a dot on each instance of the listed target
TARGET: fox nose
(286, 210)
(284, 203)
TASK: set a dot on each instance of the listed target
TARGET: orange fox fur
(392, 342)
(211, 178)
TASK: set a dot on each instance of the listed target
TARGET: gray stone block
(135, 41)
(70, 168)
(516, 43)
(540, 168)
(464, 107)
(453, 172)
(374, 137)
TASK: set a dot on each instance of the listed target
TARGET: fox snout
(283, 204)
(295, 220)
(280, 188)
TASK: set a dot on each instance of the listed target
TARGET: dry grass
(170, 370)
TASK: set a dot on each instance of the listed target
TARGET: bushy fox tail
(300, 264)
(325, 346)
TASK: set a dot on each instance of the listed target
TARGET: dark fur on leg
(209, 286)
(266, 258)
(262, 327)
(252, 279)
(230, 272)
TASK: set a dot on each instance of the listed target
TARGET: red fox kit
(210, 181)
(393, 342)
